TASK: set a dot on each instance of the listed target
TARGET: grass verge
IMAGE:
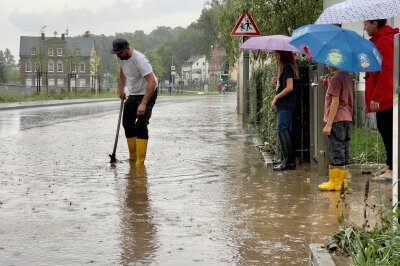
(366, 246)
(366, 146)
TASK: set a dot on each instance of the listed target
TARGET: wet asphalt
(204, 197)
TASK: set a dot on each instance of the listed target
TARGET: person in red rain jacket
(379, 87)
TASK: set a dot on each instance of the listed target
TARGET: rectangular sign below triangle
(245, 26)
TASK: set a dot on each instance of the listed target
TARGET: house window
(51, 51)
(51, 82)
(28, 67)
(60, 82)
(77, 51)
(82, 68)
(33, 51)
(60, 66)
(51, 66)
(82, 83)
(59, 51)
(37, 67)
(73, 68)
(28, 82)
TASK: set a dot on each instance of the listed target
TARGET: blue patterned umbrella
(359, 10)
(338, 47)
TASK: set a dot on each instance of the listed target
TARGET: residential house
(195, 70)
(57, 62)
(216, 63)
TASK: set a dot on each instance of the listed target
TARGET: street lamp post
(173, 72)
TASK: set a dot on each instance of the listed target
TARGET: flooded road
(205, 196)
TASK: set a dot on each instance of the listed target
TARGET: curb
(365, 168)
(24, 105)
(267, 159)
(319, 256)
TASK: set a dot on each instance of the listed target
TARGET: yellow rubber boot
(141, 149)
(334, 180)
(132, 148)
(342, 178)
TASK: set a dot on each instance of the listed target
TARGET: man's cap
(119, 45)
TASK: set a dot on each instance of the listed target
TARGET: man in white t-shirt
(138, 85)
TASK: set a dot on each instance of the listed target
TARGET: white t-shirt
(135, 68)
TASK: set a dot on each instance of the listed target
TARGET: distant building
(216, 63)
(195, 70)
(57, 62)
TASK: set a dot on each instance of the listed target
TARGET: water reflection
(13, 121)
(10, 124)
(138, 241)
(206, 198)
(334, 204)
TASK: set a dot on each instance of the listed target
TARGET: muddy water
(205, 196)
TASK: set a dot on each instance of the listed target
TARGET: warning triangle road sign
(245, 26)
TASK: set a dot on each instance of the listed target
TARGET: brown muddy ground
(205, 197)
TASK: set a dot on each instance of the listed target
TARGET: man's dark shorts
(137, 126)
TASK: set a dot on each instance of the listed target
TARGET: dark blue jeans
(339, 142)
(285, 120)
(136, 126)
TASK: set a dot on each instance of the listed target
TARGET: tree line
(7, 67)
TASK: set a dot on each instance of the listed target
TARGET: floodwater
(205, 196)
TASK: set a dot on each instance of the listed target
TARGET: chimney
(63, 36)
(42, 35)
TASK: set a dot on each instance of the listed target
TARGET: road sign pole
(245, 27)
(246, 75)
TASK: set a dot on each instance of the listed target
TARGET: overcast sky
(27, 17)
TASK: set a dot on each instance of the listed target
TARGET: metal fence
(366, 146)
(16, 89)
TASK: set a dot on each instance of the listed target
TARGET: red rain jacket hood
(379, 85)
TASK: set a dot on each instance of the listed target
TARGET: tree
(3, 68)
(14, 76)
(10, 60)
(156, 63)
(271, 17)
(209, 26)
(7, 65)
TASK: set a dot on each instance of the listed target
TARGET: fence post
(396, 126)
